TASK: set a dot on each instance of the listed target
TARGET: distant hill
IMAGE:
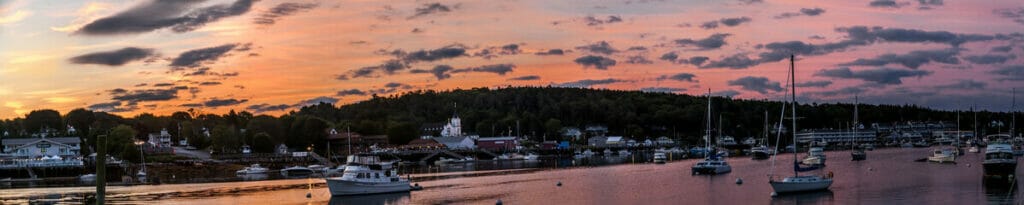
(543, 111)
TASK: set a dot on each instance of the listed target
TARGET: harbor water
(888, 176)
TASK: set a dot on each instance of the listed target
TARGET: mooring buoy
(739, 180)
(559, 183)
(498, 203)
(309, 195)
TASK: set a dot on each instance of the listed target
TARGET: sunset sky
(268, 57)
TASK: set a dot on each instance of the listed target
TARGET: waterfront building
(597, 141)
(160, 140)
(831, 136)
(455, 143)
(615, 141)
(41, 151)
(498, 143)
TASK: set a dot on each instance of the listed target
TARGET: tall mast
(1013, 114)
(349, 130)
(766, 127)
(707, 130)
(792, 75)
(855, 124)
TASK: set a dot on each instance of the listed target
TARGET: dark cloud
(735, 21)
(730, 22)
(812, 11)
(684, 77)
(271, 16)
(637, 48)
(884, 4)
(803, 11)
(114, 58)
(1014, 14)
(144, 95)
(989, 59)
(598, 62)
(847, 91)
(525, 78)
(403, 60)
(592, 21)
(397, 85)
(930, 2)
(197, 57)
(820, 84)
(492, 52)
(757, 84)
(107, 107)
(1011, 72)
(696, 60)
(180, 16)
(737, 61)
(670, 57)
(714, 41)
(863, 36)
(141, 84)
(223, 102)
(192, 105)
(208, 83)
(551, 52)
(431, 8)
(914, 59)
(601, 47)
(638, 59)
(348, 92)
(589, 82)
(964, 85)
(261, 108)
(709, 25)
(163, 84)
(499, 69)
(439, 71)
(883, 76)
(1002, 49)
(726, 93)
(662, 90)
(750, 1)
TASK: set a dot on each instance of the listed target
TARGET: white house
(453, 128)
(40, 147)
(456, 142)
(162, 139)
(615, 141)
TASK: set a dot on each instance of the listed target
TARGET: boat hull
(999, 170)
(346, 188)
(941, 159)
(711, 170)
(796, 187)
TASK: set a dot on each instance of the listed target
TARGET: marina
(895, 180)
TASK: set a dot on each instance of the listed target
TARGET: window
(376, 175)
(42, 150)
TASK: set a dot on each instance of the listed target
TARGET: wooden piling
(101, 169)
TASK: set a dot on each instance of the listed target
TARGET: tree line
(533, 112)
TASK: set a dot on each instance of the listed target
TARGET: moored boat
(296, 171)
(942, 156)
(252, 169)
(659, 158)
(797, 183)
(999, 163)
(366, 174)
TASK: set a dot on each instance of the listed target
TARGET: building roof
(496, 138)
(450, 140)
(614, 139)
(22, 141)
(422, 142)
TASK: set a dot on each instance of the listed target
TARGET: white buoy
(559, 183)
(739, 180)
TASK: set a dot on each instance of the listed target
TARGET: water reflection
(818, 197)
(382, 199)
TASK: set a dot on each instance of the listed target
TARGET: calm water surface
(889, 176)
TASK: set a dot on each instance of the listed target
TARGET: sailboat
(858, 153)
(712, 163)
(797, 183)
(761, 151)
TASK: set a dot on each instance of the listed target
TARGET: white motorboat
(750, 141)
(607, 152)
(942, 156)
(815, 157)
(252, 169)
(712, 163)
(366, 174)
(797, 183)
(531, 157)
(87, 177)
(296, 171)
(973, 149)
(760, 152)
(659, 158)
(999, 163)
(318, 168)
(624, 153)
